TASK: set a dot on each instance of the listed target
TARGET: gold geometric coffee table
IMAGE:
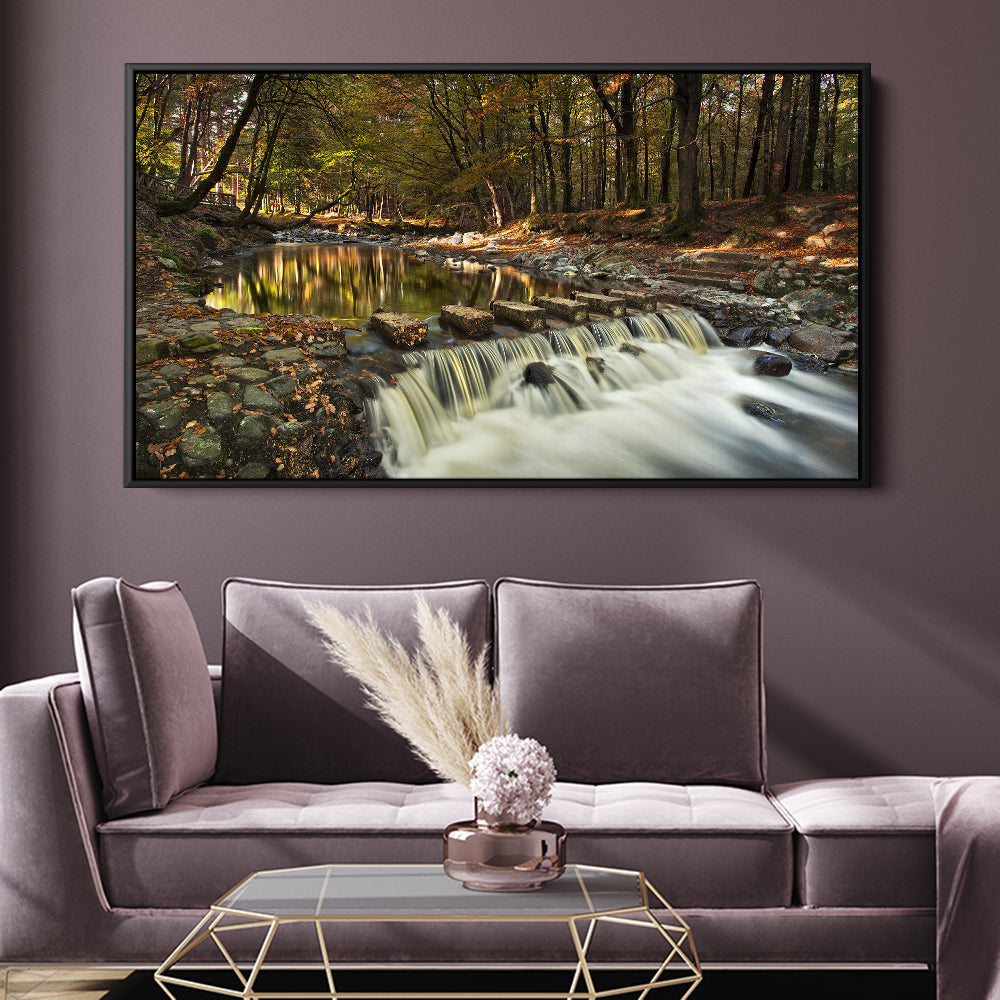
(325, 895)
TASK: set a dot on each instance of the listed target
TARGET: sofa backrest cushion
(659, 683)
(288, 713)
(146, 690)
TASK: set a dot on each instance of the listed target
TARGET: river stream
(647, 398)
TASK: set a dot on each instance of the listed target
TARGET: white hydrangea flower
(513, 777)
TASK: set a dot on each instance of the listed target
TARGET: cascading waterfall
(648, 396)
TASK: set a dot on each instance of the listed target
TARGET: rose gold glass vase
(494, 854)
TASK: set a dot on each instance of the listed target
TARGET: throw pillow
(147, 692)
(288, 714)
(658, 683)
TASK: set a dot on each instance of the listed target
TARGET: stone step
(472, 322)
(567, 309)
(400, 329)
(521, 314)
(705, 264)
(733, 256)
(605, 305)
(696, 278)
(645, 301)
(691, 272)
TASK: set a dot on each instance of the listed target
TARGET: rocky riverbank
(222, 395)
(806, 305)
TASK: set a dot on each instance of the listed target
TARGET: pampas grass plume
(440, 699)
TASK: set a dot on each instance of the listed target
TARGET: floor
(62, 984)
(122, 984)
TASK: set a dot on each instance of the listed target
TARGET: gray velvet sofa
(136, 791)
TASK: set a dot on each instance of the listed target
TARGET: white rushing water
(653, 397)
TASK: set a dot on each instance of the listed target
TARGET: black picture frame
(138, 439)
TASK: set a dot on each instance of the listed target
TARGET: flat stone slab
(284, 355)
(568, 309)
(603, 304)
(248, 375)
(400, 329)
(521, 314)
(472, 322)
(636, 299)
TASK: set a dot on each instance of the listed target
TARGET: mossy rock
(197, 341)
(536, 223)
(206, 237)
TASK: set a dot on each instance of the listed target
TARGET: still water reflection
(348, 282)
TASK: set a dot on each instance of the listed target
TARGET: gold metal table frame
(679, 968)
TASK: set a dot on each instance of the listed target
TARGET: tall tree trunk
(665, 155)
(798, 136)
(566, 152)
(496, 203)
(222, 161)
(604, 165)
(550, 204)
(766, 96)
(812, 133)
(184, 169)
(711, 160)
(776, 178)
(645, 151)
(630, 142)
(723, 167)
(829, 146)
(533, 172)
(687, 95)
(736, 140)
(623, 118)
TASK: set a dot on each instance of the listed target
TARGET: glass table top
(401, 892)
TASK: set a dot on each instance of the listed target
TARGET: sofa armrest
(50, 802)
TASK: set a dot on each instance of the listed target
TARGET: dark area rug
(717, 985)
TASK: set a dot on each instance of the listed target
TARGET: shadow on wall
(877, 682)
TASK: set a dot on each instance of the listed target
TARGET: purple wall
(881, 604)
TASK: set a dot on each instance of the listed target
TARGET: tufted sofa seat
(862, 841)
(718, 847)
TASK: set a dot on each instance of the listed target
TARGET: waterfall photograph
(645, 276)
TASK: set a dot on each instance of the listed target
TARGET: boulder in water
(744, 336)
(773, 413)
(595, 367)
(824, 342)
(766, 363)
(539, 373)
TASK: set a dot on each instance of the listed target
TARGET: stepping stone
(521, 314)
(574, 312)
(400, 329)
(329, 349)
(249, 375)
(284, 355)
(472, 322)
(636, 299)
(603, 304)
